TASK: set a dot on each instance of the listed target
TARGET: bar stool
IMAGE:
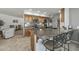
(57, 42)
(68, 39)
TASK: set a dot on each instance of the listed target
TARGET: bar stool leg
(68, 47)
(53, 45)
(64, 47)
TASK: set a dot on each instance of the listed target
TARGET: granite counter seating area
(74, 45)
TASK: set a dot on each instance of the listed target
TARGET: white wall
(71, 17)
(9, 20)
(74, 17)
(66, 17)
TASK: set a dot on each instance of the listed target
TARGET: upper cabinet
(31, 15)
(30, 18)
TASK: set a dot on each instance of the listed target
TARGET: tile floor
(20, 43)
(16, 43)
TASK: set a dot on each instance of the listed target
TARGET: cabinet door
(28, 18)
(41, 19)
(28, 33)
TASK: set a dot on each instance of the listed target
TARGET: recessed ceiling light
(59, 11)
(38, 11)
(45, 12)
(30, 9)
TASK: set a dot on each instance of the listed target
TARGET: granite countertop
(75, 35)
(30, 27)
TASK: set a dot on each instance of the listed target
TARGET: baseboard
(75, 41)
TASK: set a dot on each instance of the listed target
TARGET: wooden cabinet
(31, 17)
(41, 19)
(28, 32)
(28, 18)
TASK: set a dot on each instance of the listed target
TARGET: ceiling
(18, 12)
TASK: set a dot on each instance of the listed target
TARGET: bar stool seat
(50, 45)
(57, 42)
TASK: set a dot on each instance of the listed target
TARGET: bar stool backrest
(59, 39)
(69, 35)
